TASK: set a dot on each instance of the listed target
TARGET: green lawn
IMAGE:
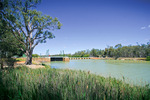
(57, 84)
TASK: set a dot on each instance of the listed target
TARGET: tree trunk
(2, 60)
(29, 57)
(2, 63)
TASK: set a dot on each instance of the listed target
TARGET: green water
(137, 73)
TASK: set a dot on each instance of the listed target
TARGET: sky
(95, 24)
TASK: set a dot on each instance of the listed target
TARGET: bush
(86, 55)
(20, 59)
(7, 62)
(35, 55)
(76, 56)
(46, 66)
(148, 58)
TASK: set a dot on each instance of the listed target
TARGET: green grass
(58, 84)
(20, 59)
(126, 61)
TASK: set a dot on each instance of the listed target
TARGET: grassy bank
(126, 61)
(57, 84)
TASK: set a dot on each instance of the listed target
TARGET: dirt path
(35, 66)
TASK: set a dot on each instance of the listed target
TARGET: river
(137, 73)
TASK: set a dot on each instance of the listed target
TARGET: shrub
(86, 55)
(35, 55)
(148, 58)
(20, 59)
(46, 66)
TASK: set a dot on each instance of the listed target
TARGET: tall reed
(64, 84)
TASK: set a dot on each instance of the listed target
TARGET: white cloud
(148, 26)
(143, 28)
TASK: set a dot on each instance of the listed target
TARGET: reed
(64, 84)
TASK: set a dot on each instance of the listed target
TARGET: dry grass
(35, 66)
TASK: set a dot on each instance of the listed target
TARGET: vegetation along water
(23, 27)
(64, 84)
(134, 72)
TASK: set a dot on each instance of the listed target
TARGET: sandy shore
(35, 66)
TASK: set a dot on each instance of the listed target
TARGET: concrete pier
(79, 58)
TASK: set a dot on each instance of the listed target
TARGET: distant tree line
(118, 50)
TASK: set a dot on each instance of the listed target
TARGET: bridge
(60, 58)
(56, 58)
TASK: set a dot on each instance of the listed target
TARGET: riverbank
(107, 58)
(47, 83)
(21, 61)
(120, 58)
(123, 58)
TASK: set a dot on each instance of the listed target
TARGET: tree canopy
(9, 46)
(118, 50)
(29, 26)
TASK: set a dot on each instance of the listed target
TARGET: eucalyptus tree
(94, 52)
(29, 26)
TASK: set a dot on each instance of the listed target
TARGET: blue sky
(96, 24)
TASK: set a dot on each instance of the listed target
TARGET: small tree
(29, 26)
(94, 53)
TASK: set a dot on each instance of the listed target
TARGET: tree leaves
(30, 27)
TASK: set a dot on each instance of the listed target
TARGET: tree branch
(26, 26)
(16, 32)
(23, 31)
(36, 44)
(17, 38)
(35, 37)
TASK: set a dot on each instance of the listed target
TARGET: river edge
(120, 58)
(47, 83)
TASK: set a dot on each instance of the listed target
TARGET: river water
(137, 73)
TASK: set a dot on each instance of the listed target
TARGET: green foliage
(94, 52)
(20, 59)
(35, 55)
(86, 55)
(69, 55)
(46, 66)
(29, 26)
(57, 84)
(83, 53)
(148, 58)
(142, 50)
(76, 56)
(9, 46)
(118, 46)
(7, 62)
